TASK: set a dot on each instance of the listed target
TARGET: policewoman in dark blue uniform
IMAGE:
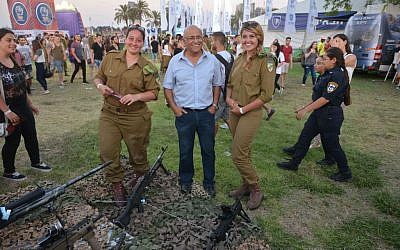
(327, 116)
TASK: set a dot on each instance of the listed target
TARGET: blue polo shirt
(192, 85)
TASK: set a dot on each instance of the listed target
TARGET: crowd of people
(206, 79)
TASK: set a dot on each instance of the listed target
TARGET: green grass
(362, 233)
(67, 129)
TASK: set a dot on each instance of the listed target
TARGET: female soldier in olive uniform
(250, 86)
(127, 81)
(327, 117)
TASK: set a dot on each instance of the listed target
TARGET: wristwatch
(241, 111)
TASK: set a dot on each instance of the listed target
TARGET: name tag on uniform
(331, 87)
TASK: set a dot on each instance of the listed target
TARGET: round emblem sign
(19, 13)
(44, 14)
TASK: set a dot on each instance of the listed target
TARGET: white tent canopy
(298, 37)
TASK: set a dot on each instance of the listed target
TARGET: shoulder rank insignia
(270, 63)
(331, 87)
(147, 70)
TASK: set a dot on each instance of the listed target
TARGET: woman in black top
(18, 109)
(310, 56)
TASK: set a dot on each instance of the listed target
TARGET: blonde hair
(253, 27)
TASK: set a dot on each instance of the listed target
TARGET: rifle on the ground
(229, 213)
(19, 208)
(136, 198)
(57, 238)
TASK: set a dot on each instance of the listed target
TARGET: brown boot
(134, 180)
(256, 197)
(119, 194)
(241, 191)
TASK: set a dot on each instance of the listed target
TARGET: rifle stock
(135, 199)
(17, 209)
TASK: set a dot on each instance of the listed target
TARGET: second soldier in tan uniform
(127, 81)
(250, 86)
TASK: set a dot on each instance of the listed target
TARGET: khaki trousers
(244, 128)
(134, 128)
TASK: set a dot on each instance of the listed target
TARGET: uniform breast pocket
(112, 77)
(252, 78)
(134, 81)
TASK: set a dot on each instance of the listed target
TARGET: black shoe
(186, 188)
(341, 176)
(210, 190)
(14, 176)
(42, 167)
(326, 162)
(289, 150)
(287, 165)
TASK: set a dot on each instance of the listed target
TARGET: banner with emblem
(44, 15)
(20, 14)
(163, 12)
(246, 10)
(312, 14)
(290, 20)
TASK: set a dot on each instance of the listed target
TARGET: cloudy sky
(101, 12)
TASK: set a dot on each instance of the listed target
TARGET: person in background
(26, 52)
(166, 53)
(18, 109)
(310, 56)
(114, 44)
(321, 47)
(287, 51)
(154, 48)
(192, 86)
(342, 42)
(59, 56)
(97, 51)
(179, 46)
(77, 53)
(39, 57)
(327, 44)
(250, 86)
(127, 82)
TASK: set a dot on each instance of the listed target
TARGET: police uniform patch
(331, 87)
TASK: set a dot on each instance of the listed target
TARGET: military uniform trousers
(131, 126)
(244, 129)
(327, 121)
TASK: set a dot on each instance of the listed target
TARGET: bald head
(191, 28)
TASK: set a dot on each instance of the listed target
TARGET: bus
(373, 39)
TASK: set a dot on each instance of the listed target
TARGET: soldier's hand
(236, 110)
(105, 90)
(232, 104)
(129, 99)
(300, 115)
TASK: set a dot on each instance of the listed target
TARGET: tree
(122, 14)
(156, 18)
(334, 6)
(134, 14)
(143, 10)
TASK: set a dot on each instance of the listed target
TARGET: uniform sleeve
(336, 87)
(218, 79)
(101, 72)
(150, 80)
(169, 78)
(267, 79)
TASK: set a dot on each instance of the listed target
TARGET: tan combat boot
(241, 191)
(256, 197)
(119, 194)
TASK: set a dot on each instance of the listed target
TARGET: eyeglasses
(250, 24)
(193, 38)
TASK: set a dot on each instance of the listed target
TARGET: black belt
(197, 110)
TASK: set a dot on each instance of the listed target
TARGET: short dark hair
(288, 37)
(220, 37)
(138, 28)
(97, 35)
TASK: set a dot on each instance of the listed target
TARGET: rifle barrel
(91, 172)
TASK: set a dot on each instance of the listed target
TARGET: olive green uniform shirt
(138, 78)
(258, 81)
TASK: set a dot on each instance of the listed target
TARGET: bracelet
(241, 111)
(7, 112)
(98, 85)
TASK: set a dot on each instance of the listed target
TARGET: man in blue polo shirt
(192, 88)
